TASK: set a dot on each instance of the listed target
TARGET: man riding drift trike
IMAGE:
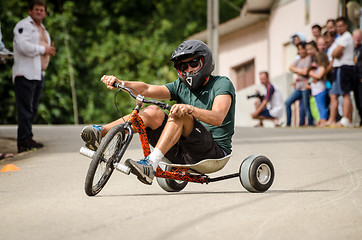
(198, 128)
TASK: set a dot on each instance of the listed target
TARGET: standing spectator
(4, 53)
(344, 72)
(312, 49)
(318, 72)
(321, 44)
(300, 67)
(271, 106)
(316, 31)
(331, 25)
(357, 86)
(297, 37)
(329, 38)
(32, 51)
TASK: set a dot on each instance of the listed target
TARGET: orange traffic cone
(10, 168)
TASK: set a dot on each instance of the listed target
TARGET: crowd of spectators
(328, 69)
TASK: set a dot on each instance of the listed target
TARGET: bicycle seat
(204, 166)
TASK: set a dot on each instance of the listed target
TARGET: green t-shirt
(217, 85)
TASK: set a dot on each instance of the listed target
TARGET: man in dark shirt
(357, 86)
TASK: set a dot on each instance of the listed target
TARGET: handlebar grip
(117, 85)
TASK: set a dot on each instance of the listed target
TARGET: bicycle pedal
(122, 168)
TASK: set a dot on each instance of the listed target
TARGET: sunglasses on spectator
(192, 63)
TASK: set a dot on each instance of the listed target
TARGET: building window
(245, 75)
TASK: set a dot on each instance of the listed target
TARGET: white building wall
(266, 42)
(290, 17)
(236, 49)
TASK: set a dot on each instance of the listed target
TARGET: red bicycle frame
(181, 174)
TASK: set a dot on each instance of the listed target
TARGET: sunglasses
(192, 63)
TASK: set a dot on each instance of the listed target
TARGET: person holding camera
(270, 105)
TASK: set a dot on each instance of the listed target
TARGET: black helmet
(189, 49)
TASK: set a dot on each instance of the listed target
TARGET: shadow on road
(210, 193)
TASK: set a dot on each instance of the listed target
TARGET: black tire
(101, 166)
(256, 173)
(170, 185)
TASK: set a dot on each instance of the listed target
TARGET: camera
(256, 95)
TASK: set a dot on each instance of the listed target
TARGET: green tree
(132, 40)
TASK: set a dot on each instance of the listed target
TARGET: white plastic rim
(263, 173)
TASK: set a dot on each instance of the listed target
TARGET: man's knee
(152, 116)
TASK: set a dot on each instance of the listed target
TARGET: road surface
(317, 192)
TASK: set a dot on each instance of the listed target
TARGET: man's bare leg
(347, 107)
(152, 116)
(174, 129)
(333, 110)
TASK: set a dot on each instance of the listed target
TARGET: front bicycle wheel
(101, 166)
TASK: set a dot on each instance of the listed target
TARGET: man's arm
(299, 71)
(23, 41)
(214, 117)
(338, 52)
(317, 75)
(260, 108)
(147, 90)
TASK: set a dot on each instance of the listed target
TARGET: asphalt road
(316, 194)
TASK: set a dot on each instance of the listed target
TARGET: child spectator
(318, 72)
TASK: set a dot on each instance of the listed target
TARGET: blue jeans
(321, 99)
(299, 95)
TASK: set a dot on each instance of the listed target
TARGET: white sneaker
(345, 122)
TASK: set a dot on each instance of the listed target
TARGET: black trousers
(27, 94)
(357, 92)
(196, 147)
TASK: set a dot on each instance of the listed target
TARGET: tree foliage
(132, 40)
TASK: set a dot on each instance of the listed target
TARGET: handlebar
(141, 98)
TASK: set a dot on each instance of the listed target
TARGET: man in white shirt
(32, 50)
(344, 68)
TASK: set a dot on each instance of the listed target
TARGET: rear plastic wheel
(256, 173)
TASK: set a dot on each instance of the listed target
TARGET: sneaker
(29, 145)
(92, 136)
(142, 169)
(6, 54)
(345, 122)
